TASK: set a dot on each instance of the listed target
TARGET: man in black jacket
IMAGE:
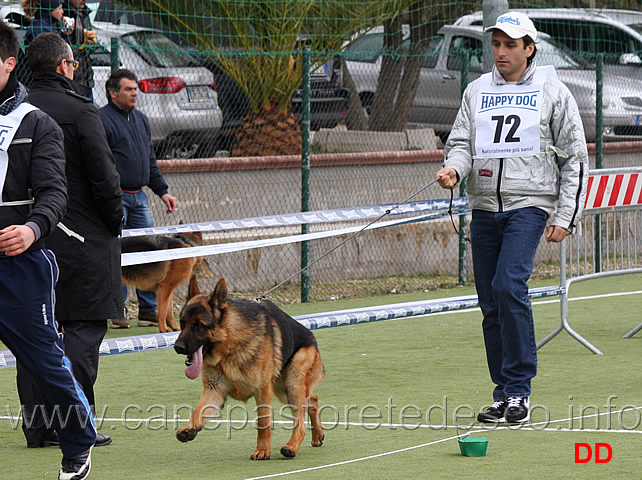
(86, 243)
(33, 198)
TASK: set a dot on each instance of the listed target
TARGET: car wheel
(180, 151)
(186, 151)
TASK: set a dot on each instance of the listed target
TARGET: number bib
(8, 127)
(508, 116)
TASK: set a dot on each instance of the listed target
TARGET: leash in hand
(350, 237)
(452, 220)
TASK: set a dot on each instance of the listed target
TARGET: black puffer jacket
(36, 169)
(87, 247)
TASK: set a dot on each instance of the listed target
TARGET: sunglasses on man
(74, 63)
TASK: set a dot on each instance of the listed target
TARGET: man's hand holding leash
(447, 177)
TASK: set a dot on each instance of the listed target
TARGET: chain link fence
(224, 81)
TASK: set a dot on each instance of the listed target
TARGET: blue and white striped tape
(137, 258)
(329, 319)
(140, 343)
(301, 218)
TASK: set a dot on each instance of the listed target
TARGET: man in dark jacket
(47, 17)
(86, 242)
(33, 198)
(129, 137)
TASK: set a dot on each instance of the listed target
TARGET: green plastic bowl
(473, 446)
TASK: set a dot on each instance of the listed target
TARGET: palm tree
(258, 44)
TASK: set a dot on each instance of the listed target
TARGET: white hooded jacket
(555, 179)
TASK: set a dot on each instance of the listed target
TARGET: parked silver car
(438, 95)
(176, 92)
(613, 32)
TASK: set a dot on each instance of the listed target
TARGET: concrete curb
(344, 141)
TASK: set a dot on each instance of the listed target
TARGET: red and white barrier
(614, 190)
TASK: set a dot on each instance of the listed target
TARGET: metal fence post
(305, 172)
(115, 63)
(491, 10)
(463, 221)
(599, 106)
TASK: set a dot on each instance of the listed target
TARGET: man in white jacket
(518, 140)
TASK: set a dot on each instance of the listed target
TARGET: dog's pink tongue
(197, 362)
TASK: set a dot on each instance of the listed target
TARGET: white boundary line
(354, 460)
(523, 426)
(409, 427)
(590, 297)
(533, 303)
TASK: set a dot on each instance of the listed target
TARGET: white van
(615, 33)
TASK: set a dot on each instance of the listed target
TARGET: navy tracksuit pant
(29, 329)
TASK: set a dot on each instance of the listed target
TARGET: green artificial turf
(383, 379)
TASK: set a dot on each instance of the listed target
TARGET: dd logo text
(584, 452)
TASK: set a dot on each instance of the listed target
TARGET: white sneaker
(76, 468)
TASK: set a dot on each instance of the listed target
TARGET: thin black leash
(387, 212)
(452, 220)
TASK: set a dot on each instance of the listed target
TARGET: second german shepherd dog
(161, 277)
(244, 349)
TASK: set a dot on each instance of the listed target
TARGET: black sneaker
(50, 440)
(494, 413)
(76, 468)
(517, 410)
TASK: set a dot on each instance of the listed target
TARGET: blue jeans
(504, 246)
(139, 215)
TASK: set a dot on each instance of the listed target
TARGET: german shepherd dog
(246, 349)
(165, 276)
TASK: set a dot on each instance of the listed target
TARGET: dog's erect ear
(192, 289)
(219, 295)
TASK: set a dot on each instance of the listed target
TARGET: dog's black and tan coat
(246, 349)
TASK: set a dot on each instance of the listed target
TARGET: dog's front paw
(186, 434)
(260, 454)
(287, 452)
